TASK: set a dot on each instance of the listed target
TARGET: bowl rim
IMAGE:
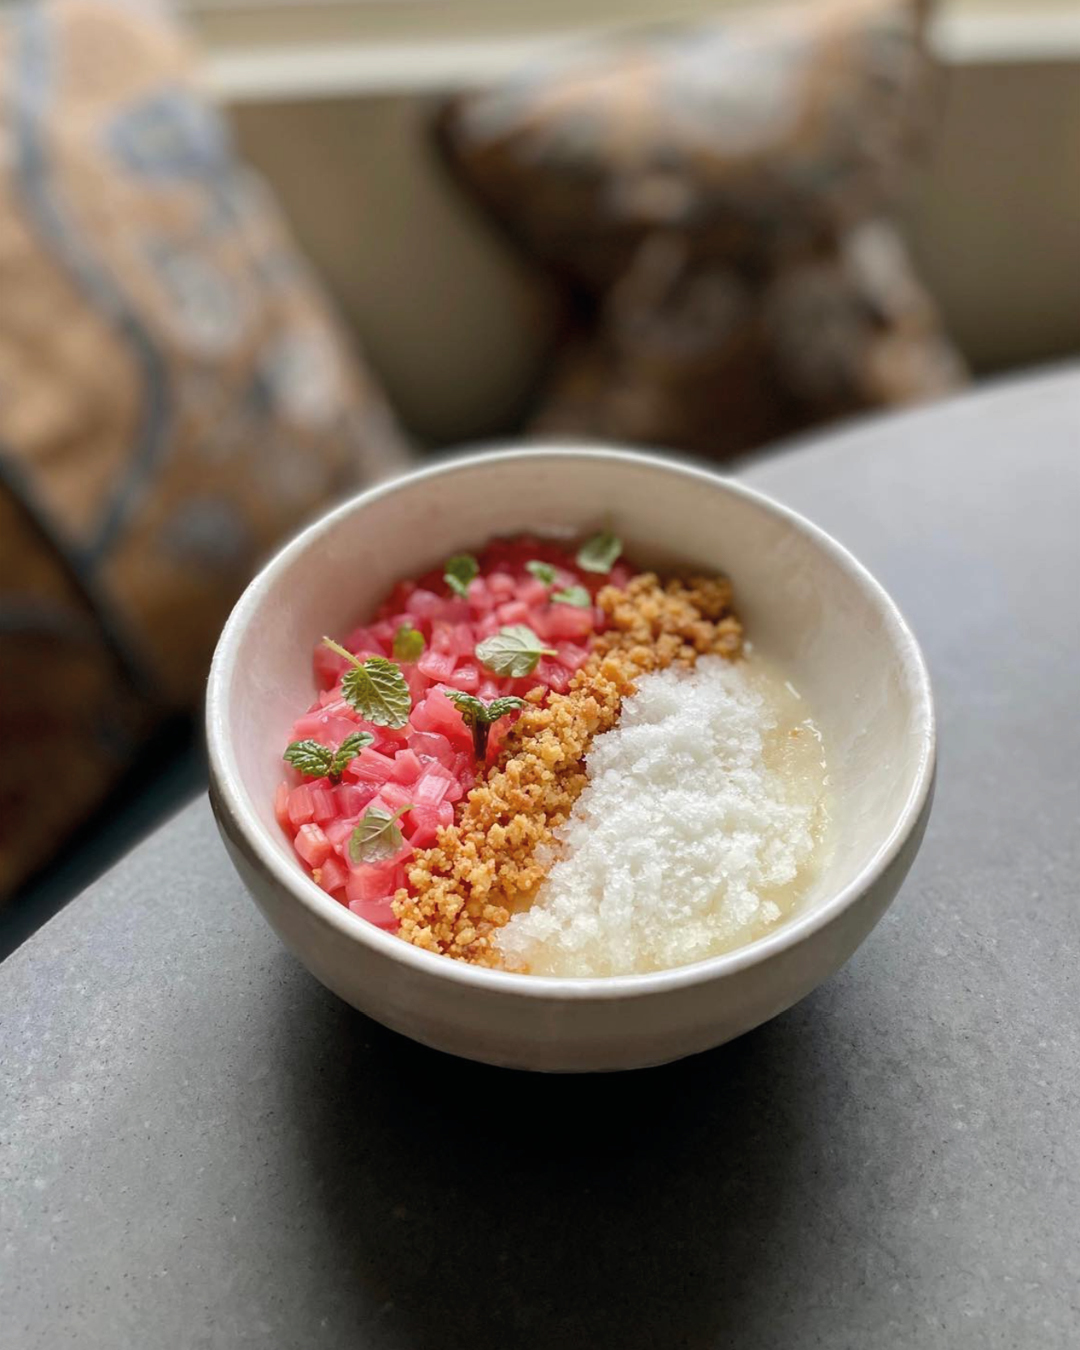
(229, 793)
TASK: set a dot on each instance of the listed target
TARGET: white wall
(994, 213)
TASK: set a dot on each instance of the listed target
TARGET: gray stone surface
(202, 1148)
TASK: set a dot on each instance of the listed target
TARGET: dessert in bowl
(601, 760)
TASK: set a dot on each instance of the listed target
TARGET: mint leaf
(408, 643)
(542, 571)
(499, 707)
(459, 571)
(480, 716)
(349, 748)
(376, 688)
(376, 837)
(378, 691)
(577, 596)
(310, 757)
(320, 761)
(513, 651)
(599, 553)
(471, 708)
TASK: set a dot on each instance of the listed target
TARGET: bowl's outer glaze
(807, 605)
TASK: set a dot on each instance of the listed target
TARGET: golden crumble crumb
(491, 861)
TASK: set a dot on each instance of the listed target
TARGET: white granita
(693, 835)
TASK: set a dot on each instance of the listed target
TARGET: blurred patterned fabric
(715, 199)
(174, 398)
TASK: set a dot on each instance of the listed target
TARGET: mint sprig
(479, 716)
(408, 643)
(577, 596)
(513, 651)
(542, 571)
(376, 837)
(599, 554)
(376, 688)
(459, 571)
(321, 761)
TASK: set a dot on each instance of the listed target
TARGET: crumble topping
(487, 865)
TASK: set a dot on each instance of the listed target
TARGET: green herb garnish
(376, 688)
(459, 571)
(408, 643)
(320, 761)
(542, 571)
(479, 716)
(599, 553)
(577, 596)
(513, 651)
(376, 837)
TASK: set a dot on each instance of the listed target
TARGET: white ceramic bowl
(805, 602)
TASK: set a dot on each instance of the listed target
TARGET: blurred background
(331, 102)
(255, 254)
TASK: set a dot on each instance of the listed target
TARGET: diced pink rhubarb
(393, 796)
(407, 767)
(567, 621)
(513, 612)
(328, 667)
(532, 592)
(370, 766)
(312, 845)
(338, 832)
(353, 797)
(370, 881)
(331, 875)
(430, 745)
(281, 805)
(301, 808)
(364, 642)
(501, 584)
(378, 912)
(572, 656)
(554, 675)
(433, 785)
(323, 804)
(466, 678)
(429, 764)
(436, 665)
